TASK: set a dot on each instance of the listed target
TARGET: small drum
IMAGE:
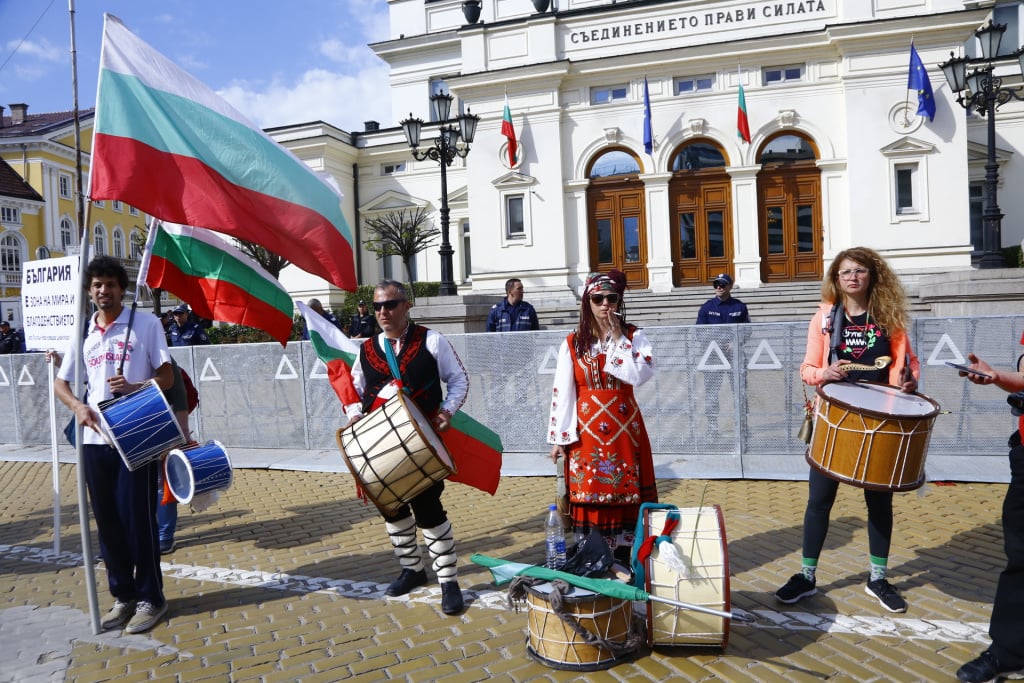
(141, 425)
(394, 453)
(699, 538)
(197, 470)
(554, 643)
(871, 435)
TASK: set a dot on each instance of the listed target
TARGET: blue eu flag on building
(648, 133)
(918, 81)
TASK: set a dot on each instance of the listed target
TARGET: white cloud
(44, 50)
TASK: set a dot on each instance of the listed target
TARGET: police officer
(184, 331)
(722, 308)
(11, 340)
(363, 325)
(512, 314)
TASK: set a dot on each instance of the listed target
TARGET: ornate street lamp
(983, 91)
(444, 150)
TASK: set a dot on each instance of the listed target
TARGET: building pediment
(392, 201)
(907, 146)
(977, 153)
(513, 180)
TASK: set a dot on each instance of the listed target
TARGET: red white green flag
(337, 352)
(742, 124)
(166, 143)
(217, 280)
(509, 132)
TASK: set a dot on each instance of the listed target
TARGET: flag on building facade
(337, 352)
(217, 280)
(167, 144)
(742, 123)
(919, 82)
(648, 132)
(510, 133)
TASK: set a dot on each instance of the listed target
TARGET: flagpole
(906, 104)
(76, 338)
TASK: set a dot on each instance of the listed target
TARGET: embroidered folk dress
(609, 468)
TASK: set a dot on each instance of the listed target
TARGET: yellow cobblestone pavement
(282, 580)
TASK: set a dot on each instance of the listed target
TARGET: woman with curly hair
(596, 425)
(863, 317)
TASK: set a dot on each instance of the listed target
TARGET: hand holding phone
(968, 370)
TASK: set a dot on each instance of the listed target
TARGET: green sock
(878, 567)
(809, 567)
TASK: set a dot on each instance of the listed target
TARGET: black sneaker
(451, 597)
(406, 581)
(887, 595)
(798, 587)
(984, 669)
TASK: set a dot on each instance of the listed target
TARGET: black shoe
(985, 668)
(167, 546)
(406, 581)
(451, 597)
(887, 595)
(797, 588)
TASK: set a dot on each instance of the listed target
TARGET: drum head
(878, 399)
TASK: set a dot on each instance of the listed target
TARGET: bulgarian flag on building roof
(166, 143)
(215, 278)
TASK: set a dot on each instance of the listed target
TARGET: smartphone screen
(964, 368)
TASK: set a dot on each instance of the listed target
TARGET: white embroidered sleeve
(562, 424)
(631, 362)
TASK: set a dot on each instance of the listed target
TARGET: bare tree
(402, 233)
(271, 262)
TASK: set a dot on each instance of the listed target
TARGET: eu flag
(648, 133)
(918, 81)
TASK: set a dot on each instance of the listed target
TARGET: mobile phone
(964, 368)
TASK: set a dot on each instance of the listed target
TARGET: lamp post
(983, 91)
(444, 150)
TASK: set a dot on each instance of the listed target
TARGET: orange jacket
(819, 339)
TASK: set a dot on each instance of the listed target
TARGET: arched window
(67, 235)
(787, 149)
(698, 156)
(99, 240)
(614, 163)
(118, 243)
(10, 253)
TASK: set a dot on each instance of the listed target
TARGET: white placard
(48, 302)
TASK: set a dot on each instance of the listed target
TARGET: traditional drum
(699, 540)
(394, 453)
(872, 435)
(555, 643)
(200, 469)
(141, 425)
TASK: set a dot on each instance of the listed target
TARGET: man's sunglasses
(390, 304)
(598, 299)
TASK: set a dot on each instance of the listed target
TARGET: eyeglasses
(390, 304)
(598, 299)
(852, 272)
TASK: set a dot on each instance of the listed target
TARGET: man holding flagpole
(409, 357)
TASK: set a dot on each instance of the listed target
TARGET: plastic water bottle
(555, 539)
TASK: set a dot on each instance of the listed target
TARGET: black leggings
(821, 496)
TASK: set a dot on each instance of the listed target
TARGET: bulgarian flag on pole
(215, 278)
(509, 132)
(742, 124)
(337, 352)
(167, 144)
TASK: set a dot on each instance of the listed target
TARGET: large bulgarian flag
(475, 449)
(215, 278)
(167, 144)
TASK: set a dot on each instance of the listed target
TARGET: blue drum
(200, 469)
(140, 425)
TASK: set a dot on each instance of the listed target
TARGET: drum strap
(835, 328)
(389, 354)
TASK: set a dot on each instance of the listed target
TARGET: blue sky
(278, 63)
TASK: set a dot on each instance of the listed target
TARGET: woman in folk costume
(596, 425)
(863, 317)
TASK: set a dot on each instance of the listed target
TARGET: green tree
(403, 233)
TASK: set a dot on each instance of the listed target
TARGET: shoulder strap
(835, 320)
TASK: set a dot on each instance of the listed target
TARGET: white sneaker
(118, 614)
(146, 617)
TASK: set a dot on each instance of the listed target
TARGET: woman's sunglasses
(390, 304)
(598, 299)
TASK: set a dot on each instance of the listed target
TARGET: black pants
(822, 494)
(124, 506)
(1007, 625)
(426, 507)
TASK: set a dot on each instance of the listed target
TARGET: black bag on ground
(592, 556)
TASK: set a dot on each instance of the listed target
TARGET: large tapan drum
(872, 435)
(141, 425)
(394, 453)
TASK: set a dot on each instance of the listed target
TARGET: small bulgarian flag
(742, 124)
(509, 132)
(475, 449)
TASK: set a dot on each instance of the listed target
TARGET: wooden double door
(618, 231)
(702, 228)
(790, 230)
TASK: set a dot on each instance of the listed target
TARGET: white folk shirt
(146, 352)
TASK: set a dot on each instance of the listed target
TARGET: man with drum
(122, 500)
(1006, 627)
(409, 357)
(863, 320)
